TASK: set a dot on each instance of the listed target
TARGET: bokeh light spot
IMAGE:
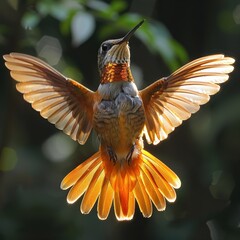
(50, 49)
(236, 14)
(58, 147)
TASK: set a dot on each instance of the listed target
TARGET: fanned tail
(145, 179)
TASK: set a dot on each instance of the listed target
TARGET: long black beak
(130, 33)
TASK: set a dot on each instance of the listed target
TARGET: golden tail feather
(145, 179)
(93, 191)
(142, 198)
(105, 199)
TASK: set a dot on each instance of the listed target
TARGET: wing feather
(169, 101)
(64, 102)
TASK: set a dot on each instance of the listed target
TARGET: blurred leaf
(125, 22)
(59, 11)
(65, 25)
(44, 7)
(109, 11)
(154, 35)
(118, 5)
(180, 52)
(72, 8)
(97, 5)
(30, 20)
(82, 27)
(129, 20)
(158, 40)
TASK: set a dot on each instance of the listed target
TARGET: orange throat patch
(114, 72)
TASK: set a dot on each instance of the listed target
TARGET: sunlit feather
(64, 102)
(180, 95)
(121, 174)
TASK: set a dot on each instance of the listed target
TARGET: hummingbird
(121, 173)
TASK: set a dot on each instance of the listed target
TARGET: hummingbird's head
(116, 50)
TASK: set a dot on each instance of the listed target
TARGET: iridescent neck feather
(114, 72)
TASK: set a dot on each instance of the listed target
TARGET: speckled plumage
(119, 118)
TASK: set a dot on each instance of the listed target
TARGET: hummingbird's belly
(119, 122)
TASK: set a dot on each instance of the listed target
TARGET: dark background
(204, 151)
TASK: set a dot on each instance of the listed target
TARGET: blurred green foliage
(78, 18)
(204, 152)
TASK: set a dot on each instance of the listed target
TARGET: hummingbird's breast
(119, 118)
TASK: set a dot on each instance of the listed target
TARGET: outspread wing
(169, 101)
(64, 102)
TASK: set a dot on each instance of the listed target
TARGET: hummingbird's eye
(106, 47)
